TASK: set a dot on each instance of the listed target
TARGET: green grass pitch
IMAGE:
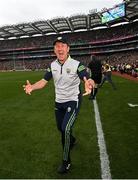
(30, 142)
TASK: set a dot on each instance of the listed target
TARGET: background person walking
(95, 67)
(107, 76)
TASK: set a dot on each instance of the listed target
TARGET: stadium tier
(115, 43)
(106, 128)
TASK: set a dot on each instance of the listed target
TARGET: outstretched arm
(84, 75)
(28, 88)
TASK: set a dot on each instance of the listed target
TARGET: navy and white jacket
(66, 79)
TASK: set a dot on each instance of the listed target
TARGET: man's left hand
(89, 85)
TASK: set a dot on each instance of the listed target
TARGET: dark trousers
(107, 77)
(97, 77)
(65, 117)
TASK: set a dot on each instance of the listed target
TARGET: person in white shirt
(67, 74)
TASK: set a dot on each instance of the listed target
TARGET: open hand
(28, 87)
(89, 85)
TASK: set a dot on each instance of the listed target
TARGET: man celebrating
(67, 74)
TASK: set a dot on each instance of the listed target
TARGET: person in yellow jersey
(107, 75)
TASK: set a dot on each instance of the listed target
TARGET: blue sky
(20, 11)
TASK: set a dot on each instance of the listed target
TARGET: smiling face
(61, 50)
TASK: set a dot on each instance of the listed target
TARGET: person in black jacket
(95, 68)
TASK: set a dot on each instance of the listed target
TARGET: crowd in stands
(6, 65)
(94, 36)
(38, 64)
(108, 43)
(126, 62)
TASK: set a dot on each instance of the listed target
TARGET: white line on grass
(105, 168)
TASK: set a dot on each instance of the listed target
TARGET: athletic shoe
(64, 167)
(91, 98)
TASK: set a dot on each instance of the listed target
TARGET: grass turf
(120, 124)
(30, 142)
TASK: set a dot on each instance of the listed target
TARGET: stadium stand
(29, 46)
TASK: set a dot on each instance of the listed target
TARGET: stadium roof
(68, 24)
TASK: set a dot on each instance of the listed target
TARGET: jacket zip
(61, 68)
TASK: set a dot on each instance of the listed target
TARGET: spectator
(107, 75)
(95, 67)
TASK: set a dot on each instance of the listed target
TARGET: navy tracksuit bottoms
(65, 117)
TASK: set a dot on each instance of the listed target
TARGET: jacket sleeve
(48, 74)
(82, 71)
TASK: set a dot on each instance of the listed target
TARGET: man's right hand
(28, 88)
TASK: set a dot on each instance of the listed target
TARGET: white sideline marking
(105, 168)
(132, 105)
